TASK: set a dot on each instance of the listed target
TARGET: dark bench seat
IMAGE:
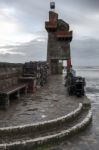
(5, 94)
(13, 89)
(10, 87)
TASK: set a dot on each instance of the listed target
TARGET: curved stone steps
(65, 129)
(43, 132)
(34, 130)
(32, 143)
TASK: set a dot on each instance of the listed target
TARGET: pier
(39, 104)
(48, 116)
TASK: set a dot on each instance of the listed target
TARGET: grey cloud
(33, 50)
(43, 4)
(85, 5)
(84, 52)
(31, 15)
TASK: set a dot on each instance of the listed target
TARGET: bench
(10, 84)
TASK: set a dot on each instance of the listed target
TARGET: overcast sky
(23, 37)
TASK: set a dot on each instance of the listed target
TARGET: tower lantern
(52, 5)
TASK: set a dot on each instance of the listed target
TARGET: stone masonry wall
(9, 73)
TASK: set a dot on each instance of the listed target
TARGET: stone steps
(28, 136)
(21, 131)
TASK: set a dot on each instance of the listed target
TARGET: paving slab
(47, 103)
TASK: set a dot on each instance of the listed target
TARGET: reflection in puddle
(43, 116)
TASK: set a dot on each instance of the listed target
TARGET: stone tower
(59, 38)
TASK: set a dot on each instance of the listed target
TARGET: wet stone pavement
(89, 138)
(47, 103)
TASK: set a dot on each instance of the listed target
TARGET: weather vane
(52, 5)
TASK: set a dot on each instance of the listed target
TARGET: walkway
(47, 103)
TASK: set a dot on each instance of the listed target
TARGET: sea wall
(9, 73)
(10, 67)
